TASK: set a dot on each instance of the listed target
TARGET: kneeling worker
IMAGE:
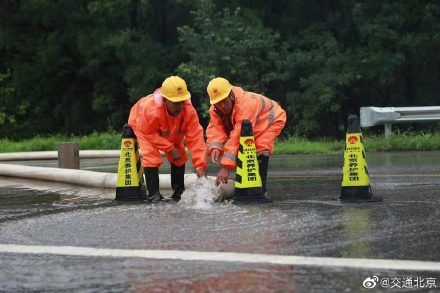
(230, 106)
(161, 121)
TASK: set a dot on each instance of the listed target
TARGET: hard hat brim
(185, 97)
(221, 97)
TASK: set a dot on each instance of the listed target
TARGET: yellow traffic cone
(355, 181)
(130, 184)
(247, 179)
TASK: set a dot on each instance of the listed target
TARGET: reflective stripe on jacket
(157, 130)
(266, 116)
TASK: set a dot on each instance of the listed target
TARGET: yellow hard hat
(174, 89)
(218, 89)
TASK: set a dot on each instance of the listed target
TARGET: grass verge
(94, 141)
(293, 145)
(396, 142)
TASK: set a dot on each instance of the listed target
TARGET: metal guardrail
(372, 116)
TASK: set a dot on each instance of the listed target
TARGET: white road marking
(384, 264)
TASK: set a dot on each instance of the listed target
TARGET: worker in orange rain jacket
(231, 105)
(161, 121)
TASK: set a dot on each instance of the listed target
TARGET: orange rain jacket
(266, 116)
(157, 130)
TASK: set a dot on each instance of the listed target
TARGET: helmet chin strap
(232, 97)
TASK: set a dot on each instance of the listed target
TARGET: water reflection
(305, 219)
(168, 276)
(357, 230)
(32, 199)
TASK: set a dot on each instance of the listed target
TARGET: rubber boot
(177, 181)
(263, 164)
(152, 180)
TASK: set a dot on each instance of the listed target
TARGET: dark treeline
(77, 66)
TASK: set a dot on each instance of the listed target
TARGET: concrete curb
(79, 177)
(95, 179)
(53, 155)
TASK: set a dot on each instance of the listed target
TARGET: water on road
(305, 219)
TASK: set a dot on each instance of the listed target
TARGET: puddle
(305, 219)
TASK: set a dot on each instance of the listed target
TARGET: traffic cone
(355, 181)
(130, 184)
(247, 180)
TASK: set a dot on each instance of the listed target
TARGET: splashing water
(201, 194)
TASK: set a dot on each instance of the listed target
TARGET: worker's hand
(201, 172)
(215, 156)
(175, 154)
(222, 176)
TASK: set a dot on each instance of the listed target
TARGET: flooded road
(305, 219)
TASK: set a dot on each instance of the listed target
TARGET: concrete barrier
(95, 179)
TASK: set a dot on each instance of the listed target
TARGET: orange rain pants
(157, 130)
(266, 116)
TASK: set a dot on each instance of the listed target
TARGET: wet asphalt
(306, 218)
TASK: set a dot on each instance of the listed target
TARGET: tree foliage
(11, 111)
(230, 44)
(74, 67)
